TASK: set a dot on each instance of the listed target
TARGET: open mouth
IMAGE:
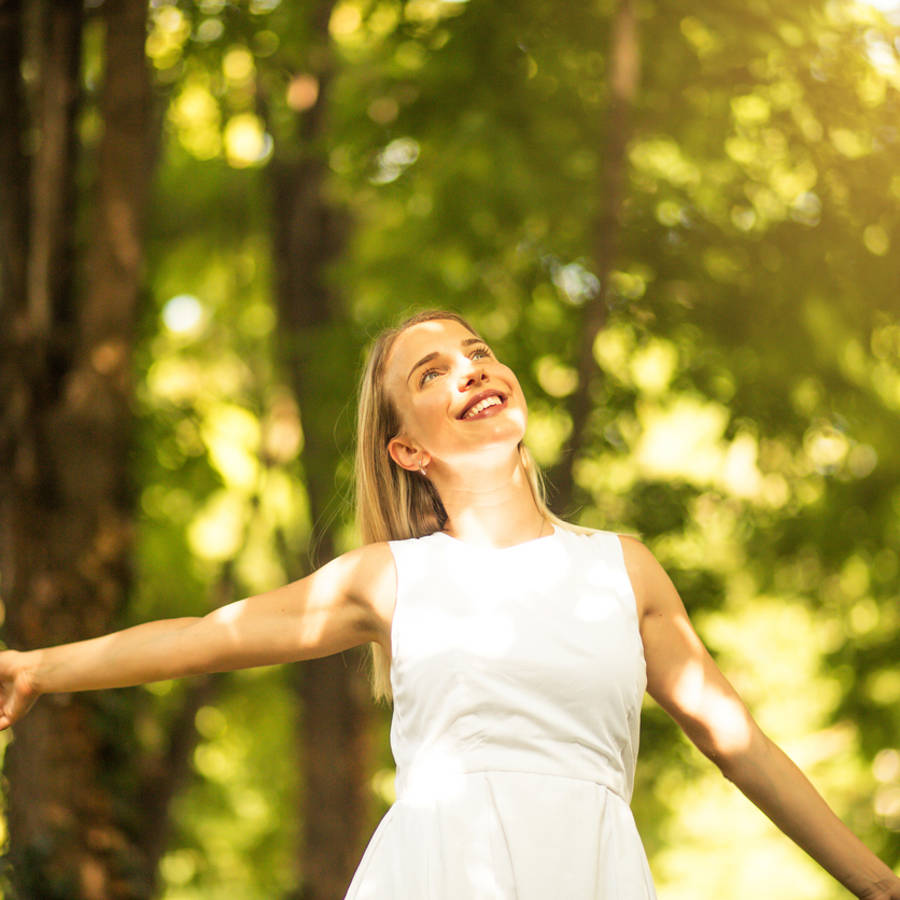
(481, 404)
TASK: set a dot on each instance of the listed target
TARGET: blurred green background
(678, 223)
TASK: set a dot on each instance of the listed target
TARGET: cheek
(423, 416)
(511, 378)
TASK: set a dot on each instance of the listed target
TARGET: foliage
(743, 423)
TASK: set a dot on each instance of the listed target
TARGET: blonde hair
(391, 502)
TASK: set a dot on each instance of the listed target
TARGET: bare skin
(683, 678)
(472, 461)
(437, 372)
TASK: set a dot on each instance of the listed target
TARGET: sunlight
(346, 20)
(826, 448)
(547, 429)
(739, 470)
(174, 380)
(232, 435)
(653, 366)
(169, 30)
(682, 439)
(216, 533)
(662, 158)
(876, 240)
(394, 159)
(246, 141)
(184, 315)
(195, 115)
(238, 66)
(576, 283)
(890, 8)
(557, 379)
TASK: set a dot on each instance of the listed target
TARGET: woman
(518, 650)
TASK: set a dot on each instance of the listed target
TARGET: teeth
(483, 405)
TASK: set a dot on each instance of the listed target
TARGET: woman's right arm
(345, 603)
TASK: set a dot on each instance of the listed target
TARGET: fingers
(7, 710)
(17, 695)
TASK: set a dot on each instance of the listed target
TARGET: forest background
(677, 222)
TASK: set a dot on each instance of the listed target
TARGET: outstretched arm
(347, 602)
(683, 678)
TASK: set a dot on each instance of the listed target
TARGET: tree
(69, 306)
(315, 345)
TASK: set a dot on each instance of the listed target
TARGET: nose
(472, 373)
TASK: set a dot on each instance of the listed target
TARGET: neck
(492, 505)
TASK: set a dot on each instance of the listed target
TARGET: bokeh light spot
(184, 314)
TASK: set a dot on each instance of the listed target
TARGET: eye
(480, 353)
(425, 377)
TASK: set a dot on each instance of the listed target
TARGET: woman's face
(455, 400)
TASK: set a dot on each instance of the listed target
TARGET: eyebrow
(434, 354)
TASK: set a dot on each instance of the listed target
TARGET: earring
(423, 467)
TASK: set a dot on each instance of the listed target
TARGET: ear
(407, 455)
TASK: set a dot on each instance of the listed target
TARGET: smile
(481, 406)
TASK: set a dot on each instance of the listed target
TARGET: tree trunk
(624, 72)
(66, 527)
(13, 175)
(308, 236)
(332, 691)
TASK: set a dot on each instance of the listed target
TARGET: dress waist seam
(492, 770)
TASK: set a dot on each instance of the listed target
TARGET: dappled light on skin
(318, 602)
(788, 639)
(711, 167)
(732, 728)
(771, 644)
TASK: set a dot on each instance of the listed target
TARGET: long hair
(391, 502)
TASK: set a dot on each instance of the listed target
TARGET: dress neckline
(486, 548)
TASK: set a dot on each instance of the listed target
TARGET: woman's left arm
(683, 678)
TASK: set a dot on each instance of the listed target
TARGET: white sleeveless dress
(518, 675)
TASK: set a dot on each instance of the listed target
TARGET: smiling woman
(517, 649)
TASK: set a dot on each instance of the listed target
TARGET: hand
(17, 691)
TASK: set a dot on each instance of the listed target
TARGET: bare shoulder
(653, 589)
(371, 579)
